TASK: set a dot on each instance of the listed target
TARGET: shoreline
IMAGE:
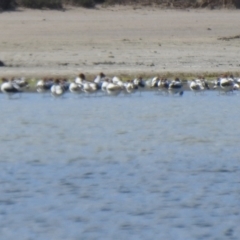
(70, 75)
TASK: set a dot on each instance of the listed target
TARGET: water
(136, 167)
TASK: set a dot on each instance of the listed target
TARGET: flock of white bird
(115, 86)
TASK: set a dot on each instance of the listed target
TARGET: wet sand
(118, 40)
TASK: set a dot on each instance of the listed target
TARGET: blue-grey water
(126, 167)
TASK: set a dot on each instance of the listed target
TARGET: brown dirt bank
(119, 40)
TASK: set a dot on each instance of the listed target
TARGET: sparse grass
(229, 38)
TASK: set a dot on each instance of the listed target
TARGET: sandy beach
(118, 40)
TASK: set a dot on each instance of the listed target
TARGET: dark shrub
(83, 3)
(99, 1)
(53, 4)
(6, 4)
(2, 64)
(237, 3)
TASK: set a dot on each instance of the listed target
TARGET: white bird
(99, 79)
(86, 86)
(89, 87)
(117, 81)
(21, 82)
(75, 88)
(175, 87)
(152, 82)
(198, 85)
(113, 89)
(236, 86)
(236, 82)
(104, 85)
(80, 79)
(57, 89)
(155, 81)
(163, 85)
(9, 87)
(130, 87)
(224, 84)
(44, 85)
(139, 82)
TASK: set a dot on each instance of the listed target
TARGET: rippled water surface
(126, 167)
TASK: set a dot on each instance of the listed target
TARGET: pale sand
(118, 40)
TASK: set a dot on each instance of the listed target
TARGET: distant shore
(119, 41)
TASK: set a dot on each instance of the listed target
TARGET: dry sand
(118, 40)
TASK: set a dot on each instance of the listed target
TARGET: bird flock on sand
(114, 85)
